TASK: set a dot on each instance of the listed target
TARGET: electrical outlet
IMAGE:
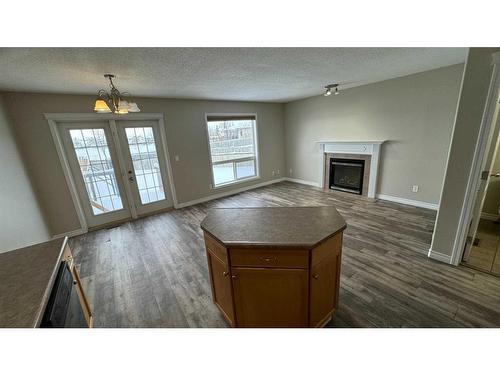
(176, 157)
(414, 188)
(274, 173)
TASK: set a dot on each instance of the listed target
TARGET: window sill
(237, 182)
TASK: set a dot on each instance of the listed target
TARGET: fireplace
(347, 175)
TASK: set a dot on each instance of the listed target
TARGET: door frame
(54, 119)
(480, 152)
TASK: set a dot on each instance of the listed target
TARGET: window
(232, 148)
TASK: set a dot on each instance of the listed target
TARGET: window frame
(256, 157)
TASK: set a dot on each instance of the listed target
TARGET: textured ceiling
(252, 74)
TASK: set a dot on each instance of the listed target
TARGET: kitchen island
(275, 266)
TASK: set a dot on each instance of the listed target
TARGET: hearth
(347, 175)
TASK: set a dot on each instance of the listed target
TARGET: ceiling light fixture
(329, 88)
(114, 101)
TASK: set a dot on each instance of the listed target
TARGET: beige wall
(22, 223)
(469, 114)
(415, 113)
(186, 137)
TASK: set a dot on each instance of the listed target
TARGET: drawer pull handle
(316, 276)
(268, 259)
(225, 273)
(234, 276)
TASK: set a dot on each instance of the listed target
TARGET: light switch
(414, 188)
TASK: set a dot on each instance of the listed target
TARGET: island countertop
(301, 227)
(26, 279)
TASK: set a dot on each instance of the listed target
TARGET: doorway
(482, 245)
(117, 168)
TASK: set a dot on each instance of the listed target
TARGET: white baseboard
(487, 216)
(410, 202)
(226, 193)
(445, 258)
(69, 234)
(303, 182)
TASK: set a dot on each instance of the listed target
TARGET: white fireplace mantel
(353, 147)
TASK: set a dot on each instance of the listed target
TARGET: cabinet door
(325, 279)
(221, 286)
(266, 297)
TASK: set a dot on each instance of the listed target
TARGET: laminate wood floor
(153, 272)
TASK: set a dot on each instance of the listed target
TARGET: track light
(329, 88)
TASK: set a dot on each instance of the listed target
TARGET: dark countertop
(26, 279)
(302, 227)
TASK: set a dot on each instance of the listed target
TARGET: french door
(118, 167)
(145, 164)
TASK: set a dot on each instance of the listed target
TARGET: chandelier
(114, 101)
(329, 88)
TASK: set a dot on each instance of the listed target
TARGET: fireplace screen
(347, 175)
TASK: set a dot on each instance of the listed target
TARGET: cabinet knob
(234, 276)
(225, 273)
(315, 276)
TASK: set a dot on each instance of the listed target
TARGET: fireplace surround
(369, 151)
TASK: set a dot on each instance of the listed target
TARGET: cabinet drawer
(270, 258)
(215, 247)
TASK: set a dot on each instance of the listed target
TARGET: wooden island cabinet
(275, 266)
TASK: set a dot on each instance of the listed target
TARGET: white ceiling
(251, 74)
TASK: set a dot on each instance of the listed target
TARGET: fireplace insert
(347, 175)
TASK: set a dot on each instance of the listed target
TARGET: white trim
(488, 216)
(353, 147)
(303, 182)
(123, 171)
(379, 142)
(227, 193)
(410, 202)
(235, 182)
(73, 233)
(436, 255)
(68, 117)
(477, 161)
(163, 135)
(67, 174)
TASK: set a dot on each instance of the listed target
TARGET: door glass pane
(245, 169)
(97, 170)
(223, 173)
(141, 143)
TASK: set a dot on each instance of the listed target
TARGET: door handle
(495, 175)
(131, 179)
